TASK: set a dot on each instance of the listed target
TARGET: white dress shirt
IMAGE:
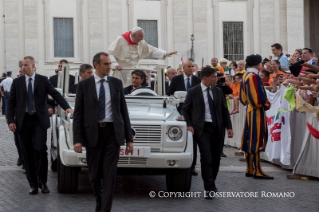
(208, 116)
(108, 105)
(6, 84)
(185, 80)
(32, 83)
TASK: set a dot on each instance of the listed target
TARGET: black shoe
(194, 172)
(209, 194)
(223, 155)
(44, 188)
(249, 175)
(19, 162)
(264, 177)
(98, 205)
(34, 190)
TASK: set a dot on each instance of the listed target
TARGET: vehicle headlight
(175, 133)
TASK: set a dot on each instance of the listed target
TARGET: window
(63, 37)
(150, 30)
(233, 41)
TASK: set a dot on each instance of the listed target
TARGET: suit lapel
(112, 87)
(24, 85)
(214, 95)
(182, 81)
(193, 83)
(36, 81)
(200, 94)
(93, 87)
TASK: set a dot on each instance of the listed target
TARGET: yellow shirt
(241, 72)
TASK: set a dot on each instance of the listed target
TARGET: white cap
(136, 29)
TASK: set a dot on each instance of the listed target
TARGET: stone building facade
(30, 27)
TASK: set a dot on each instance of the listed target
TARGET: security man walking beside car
(206, 115)
(101, 123)
(28, 115)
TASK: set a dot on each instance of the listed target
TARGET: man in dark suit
(85, 71)
(54, 78)
(207, 116)
(101, 123)
(28, 101)
(184, 82)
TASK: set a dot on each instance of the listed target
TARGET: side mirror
(181, 95)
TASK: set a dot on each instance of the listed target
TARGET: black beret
(253, 59)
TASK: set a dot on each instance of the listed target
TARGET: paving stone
(132, 192)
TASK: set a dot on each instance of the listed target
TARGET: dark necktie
(188, 85)
(102, 101)
(211, 107)
(30, 97)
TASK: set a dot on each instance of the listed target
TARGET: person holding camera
(275, 66)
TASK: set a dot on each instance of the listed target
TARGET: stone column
(200, 31)
(267, 27)
(95, 26)
(181, 36)
(31, 29)
(295, 25)
(11, 35)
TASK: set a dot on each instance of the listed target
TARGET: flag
(180, 62)
(313, 131)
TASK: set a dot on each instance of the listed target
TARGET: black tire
(67, 178)
(178, 180)
(54, 165)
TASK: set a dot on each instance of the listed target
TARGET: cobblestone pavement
(132, 192)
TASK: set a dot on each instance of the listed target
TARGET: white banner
(279, 137)
(285, 129)
(273, 147)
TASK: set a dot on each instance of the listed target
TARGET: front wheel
(178, 180)
(67, 178)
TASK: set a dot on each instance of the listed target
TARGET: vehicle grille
(132, 161)
(155, 150)
(147, 134)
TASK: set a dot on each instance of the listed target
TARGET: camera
(219, 74)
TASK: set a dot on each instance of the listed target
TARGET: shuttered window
(233, 41)
(150, 32)
(63, 37)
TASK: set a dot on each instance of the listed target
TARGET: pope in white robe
(126, 51)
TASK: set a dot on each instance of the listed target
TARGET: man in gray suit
(206, 114)
(101, 123)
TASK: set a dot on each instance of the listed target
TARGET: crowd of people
(27, 107)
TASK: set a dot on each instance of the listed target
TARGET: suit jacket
(86, 113)
(19, 97)
(73, 88)
(194, 110)
(178, 84)
(54, 80)
(128, 89)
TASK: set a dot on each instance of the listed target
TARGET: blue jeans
(6, 100)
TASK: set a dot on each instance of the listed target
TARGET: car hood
(154, 112)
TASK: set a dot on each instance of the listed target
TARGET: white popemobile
(162, 144)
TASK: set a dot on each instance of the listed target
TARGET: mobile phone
(280, 76)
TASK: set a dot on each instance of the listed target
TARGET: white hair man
(128, 48)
